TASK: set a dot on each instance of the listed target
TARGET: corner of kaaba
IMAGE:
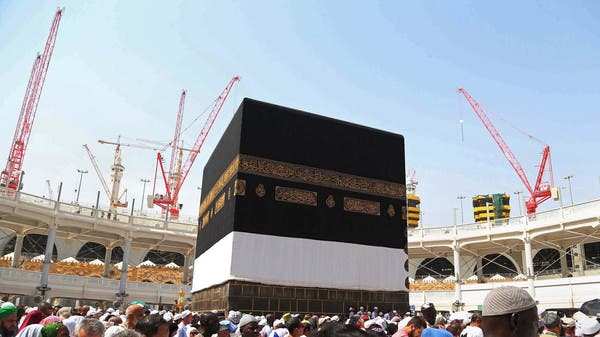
(301, 213)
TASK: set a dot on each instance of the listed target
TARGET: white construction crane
(117, 172)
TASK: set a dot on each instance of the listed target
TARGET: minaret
(116, 175)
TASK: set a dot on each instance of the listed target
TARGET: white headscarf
(32, 330)
(71, 323)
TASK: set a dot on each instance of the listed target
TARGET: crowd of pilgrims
(507, 311)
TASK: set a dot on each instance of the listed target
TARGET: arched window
(435, 267)
(497, 264)
(91, 251)
(33, 245)
(164, 257)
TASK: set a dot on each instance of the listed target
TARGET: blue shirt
(431, 332)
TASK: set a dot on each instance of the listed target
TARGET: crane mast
(11, 175)
(176, 153)
(172, 192)
(539, 193)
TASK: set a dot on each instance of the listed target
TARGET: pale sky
(119, 66)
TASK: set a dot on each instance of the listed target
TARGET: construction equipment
(540, 192)
(491, 207)
(413, 202)
(117, 172)
(174, 181)
(12, 174)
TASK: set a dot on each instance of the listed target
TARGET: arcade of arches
(88, 259)
(546, 261)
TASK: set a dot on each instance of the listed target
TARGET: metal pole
(462, 213)
(97, 203)
(518, 194)
(487, 210)
(143, 193)
(454, 209)
(570, 191)
(81, 173)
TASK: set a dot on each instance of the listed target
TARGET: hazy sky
(119, 66)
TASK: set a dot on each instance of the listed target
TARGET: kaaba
(301, 213)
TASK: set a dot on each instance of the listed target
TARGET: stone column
(186, 268)
(457, 288)
(18, 249)
(107, 256)
(123, 280)
(47, 258)
(529, 266)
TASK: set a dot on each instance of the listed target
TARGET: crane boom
(172, 192)
(210, 120)
(98, 172)
(128, 145)
(538, 193)
(11, 175)
(514, 162)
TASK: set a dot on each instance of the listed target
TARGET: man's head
(590, 327)
(226, 328)
(476, 320)
(64, 312)
(509, 311)
(186, 317)
(8, 318)
(133, 314)
(552, 322)
(152, 326)
(84, 310)
(294, 326)
(429, 313)
(56, 329)
(415, 326)
(209, 324)
(249, 326)
(270, 319)
(76, 310)
(89, 327)
(46, 309)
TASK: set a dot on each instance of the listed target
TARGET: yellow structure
(413, 210)
(490, 207)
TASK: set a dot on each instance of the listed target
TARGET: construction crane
(411, 181)
(173, 183)
(11, 176)
(117, 172)
(540, 192)
(176, 153)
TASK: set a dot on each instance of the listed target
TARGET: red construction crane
(11, 176)
(176, 152)
(539, 193)
(172, 192)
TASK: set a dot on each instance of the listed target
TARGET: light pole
(487, 210)
(518, 194)
(462, 213)
(570, 191)
(143, 193)
(81, 173)
(454, 210)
